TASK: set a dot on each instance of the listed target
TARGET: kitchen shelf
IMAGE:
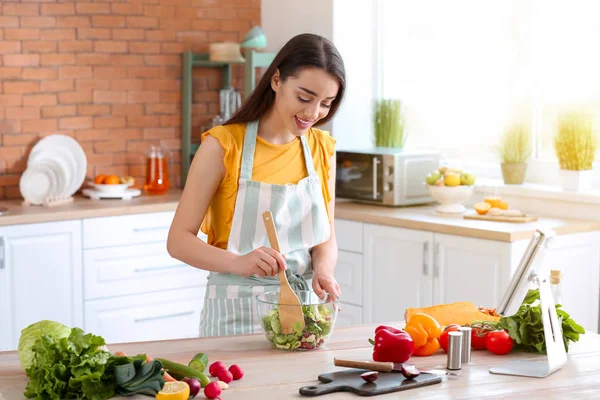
(201, 60)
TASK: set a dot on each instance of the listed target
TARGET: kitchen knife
(385, 366)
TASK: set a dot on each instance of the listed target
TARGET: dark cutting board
(350, 381)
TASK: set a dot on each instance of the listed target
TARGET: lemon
(174, 391)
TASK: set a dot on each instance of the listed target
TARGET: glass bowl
(319, 319)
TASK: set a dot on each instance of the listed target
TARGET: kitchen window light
(466, 69)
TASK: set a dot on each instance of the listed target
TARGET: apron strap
(297, 281)
(248, 150)
(308, 160)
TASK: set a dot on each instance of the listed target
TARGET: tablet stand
(556, 355)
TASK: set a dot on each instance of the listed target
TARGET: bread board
(350, 381)
(501, 218)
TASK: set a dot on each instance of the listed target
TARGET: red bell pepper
(391, 345)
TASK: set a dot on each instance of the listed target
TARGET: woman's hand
(323, 282)
(262, 262)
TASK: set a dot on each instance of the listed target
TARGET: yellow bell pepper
(425, 332)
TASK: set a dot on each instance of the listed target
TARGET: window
(466, 69)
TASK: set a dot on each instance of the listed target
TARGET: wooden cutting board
(350, 381)
(501, 218)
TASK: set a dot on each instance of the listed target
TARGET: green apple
(432, 178)
(467, 179)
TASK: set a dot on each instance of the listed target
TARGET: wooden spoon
(290, 308)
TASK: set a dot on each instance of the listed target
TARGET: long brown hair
(304, 50)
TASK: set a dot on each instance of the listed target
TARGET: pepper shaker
(454, 350)
(466, 344)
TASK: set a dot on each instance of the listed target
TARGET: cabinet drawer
(348, 273)
(156, 316)
(136, 269)
(126, 229)
(349, 235)
(349, 316)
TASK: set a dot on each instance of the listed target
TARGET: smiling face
(303, 100)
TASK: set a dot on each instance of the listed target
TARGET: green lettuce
(72, 367)
(35, 331)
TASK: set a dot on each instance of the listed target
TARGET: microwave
(385, 176)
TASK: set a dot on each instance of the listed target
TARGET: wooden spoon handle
(272, 234)
(370, 365)
(271, 231)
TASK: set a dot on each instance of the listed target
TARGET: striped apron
(302, 222)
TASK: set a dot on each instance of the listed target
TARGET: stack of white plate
(56, 169)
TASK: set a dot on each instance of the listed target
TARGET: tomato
(499, 342)
(444, 336)
(478, 336)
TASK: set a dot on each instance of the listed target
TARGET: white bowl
(451, 198)
(111, 188)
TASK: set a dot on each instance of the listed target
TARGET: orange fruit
(99, 179)
(503, 205)
(482, 208)
(112, 180)
(493, 201)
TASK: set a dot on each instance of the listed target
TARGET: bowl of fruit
(112, 183)
(451, 187)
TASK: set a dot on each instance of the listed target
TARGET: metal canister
(454, 350)
(466, 344)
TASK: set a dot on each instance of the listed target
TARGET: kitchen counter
(275, 374)
(427, 219)
(83, 207)
(414, 217)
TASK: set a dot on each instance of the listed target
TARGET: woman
(267, 157)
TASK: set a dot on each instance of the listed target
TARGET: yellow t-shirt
(274, 164)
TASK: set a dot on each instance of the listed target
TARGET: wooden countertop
(83, 207)
(427, 219)
(276, 374)
(414, 217)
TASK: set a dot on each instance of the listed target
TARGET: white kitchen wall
(335, 20)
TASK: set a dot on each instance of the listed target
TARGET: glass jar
(157, 174)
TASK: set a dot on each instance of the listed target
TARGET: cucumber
(199, 362)
(180, 371)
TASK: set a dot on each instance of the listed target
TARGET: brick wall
(107, 73)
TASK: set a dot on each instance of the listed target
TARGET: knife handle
(370, 365)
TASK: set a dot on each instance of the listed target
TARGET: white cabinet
(397, 271)
(392, 268)
(153, 316)
(40, 277)
(469, 269)
(133, 289)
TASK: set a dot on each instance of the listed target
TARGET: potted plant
(389, 124)
(515, 149)
(575, 144)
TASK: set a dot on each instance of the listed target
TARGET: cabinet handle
(181, 314)
(2, 253)
(425, 258)
(151, 269)
(436, 256)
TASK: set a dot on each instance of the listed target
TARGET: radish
(236, 372)
(224, 375)
(215, 367)
(212, 390)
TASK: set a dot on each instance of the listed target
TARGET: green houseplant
(389, 124)
(515, 150)
(575, 144)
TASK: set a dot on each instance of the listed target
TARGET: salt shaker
(454, 350)
(466, 344)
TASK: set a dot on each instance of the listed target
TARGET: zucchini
(180, 371)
